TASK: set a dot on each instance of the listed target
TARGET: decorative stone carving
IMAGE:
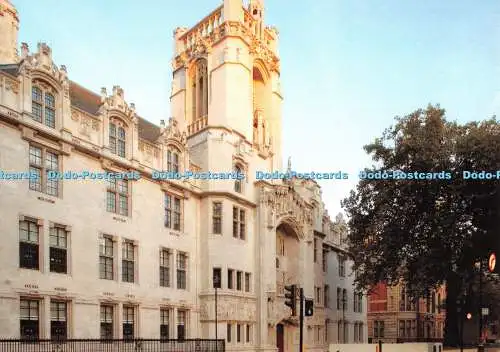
(12, 85)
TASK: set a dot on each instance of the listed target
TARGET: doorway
(280, 337)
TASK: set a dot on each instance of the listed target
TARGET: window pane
(36, 94)
(35, 156)
(50, 117)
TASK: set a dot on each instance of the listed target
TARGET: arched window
(117, 138)
(199, 90)
(43, 105)
(172, 160)
(238, 182)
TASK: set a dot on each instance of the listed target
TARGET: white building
(136, 258)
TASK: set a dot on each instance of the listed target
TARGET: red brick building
(394, 316)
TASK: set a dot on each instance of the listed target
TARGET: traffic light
(309, 311)
(290, 300)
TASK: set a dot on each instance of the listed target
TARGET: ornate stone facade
(142, 254)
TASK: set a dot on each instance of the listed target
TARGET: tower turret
(9, 26)
(256, 9)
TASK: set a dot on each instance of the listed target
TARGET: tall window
(43, 106)
(128, 261)
(239, 223)
(181, 270)
(378, 329)
(361, 334)
(341, 266)
(117, 196)
(164, 268)
(339, 298)
(325, 261)
(172, 212)
(172, 160)
(107, 314)
(230, 279)
(238, 332)
(355, 302)
(164, 324)
(315, 249)
(43, 162)
(248, 333)
(217, 277)
(58, 320)
(181, 324)
(29, 245)
(199, 90)
(327, 296)
(128, 322)
(238, 183)
(106, 258)
(117, 139)
(439, 303)
(217, 217)
(58, 250)
(433, 302)
(29, 319)
(239, 279)
(228, 332)
(360, 302)
(247, 282)
(344, 299)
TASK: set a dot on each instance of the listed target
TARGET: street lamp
(479, 266)
(460, 304)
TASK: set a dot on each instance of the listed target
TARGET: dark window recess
(29, 329)
(127, 271)
(106, 331)
(128, 331)
(164, 332)
(58, 330)
(58, 260)
(28, 255)
(164, 276)
(181, 332)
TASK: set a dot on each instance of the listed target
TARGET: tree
(431, 231)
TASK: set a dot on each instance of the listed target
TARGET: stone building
(393, 315)
(137, 256)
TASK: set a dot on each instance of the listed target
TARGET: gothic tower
(9, 26)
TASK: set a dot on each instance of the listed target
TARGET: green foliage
(426, 232)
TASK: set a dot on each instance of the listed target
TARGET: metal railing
(96, 345)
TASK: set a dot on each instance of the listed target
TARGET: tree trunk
(451, 329)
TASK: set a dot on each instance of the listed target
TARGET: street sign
(485, 311)
(492, 262)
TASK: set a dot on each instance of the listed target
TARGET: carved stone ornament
(12, 85)
(172, 132)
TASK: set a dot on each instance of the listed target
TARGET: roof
(11, 69)
(88, 101)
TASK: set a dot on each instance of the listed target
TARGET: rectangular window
(29, 245)
(360, 303)
(341, 266)
(117, 139)
(58, 320)
(238, 333)
(356, 332)
(408, 328)
(327, 296)
(433, 302)
(128, 261)
(235, 222)
(217, 278)
(128, 322)
(164, 324)
(239, 279)
(242, 224)
(228, 333)
(355, 302)
(181, 324)
(58, 250)
(318, 295)
(325, 261)
(42, 162)
(117, 196)
(106, 258)
(164, 268)
(29, 319)
(339, 298)
(247, 282)
(230, 284)
(173, 212)
(181, 270)
(315, 253)
(107, 328)
(217, 217)
(248, 333)
(361, 332)
(401, 328)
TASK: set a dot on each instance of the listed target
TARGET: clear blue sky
(348, 66)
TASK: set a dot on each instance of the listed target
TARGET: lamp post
(460, 304)
(217, 283)
(479, 266)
